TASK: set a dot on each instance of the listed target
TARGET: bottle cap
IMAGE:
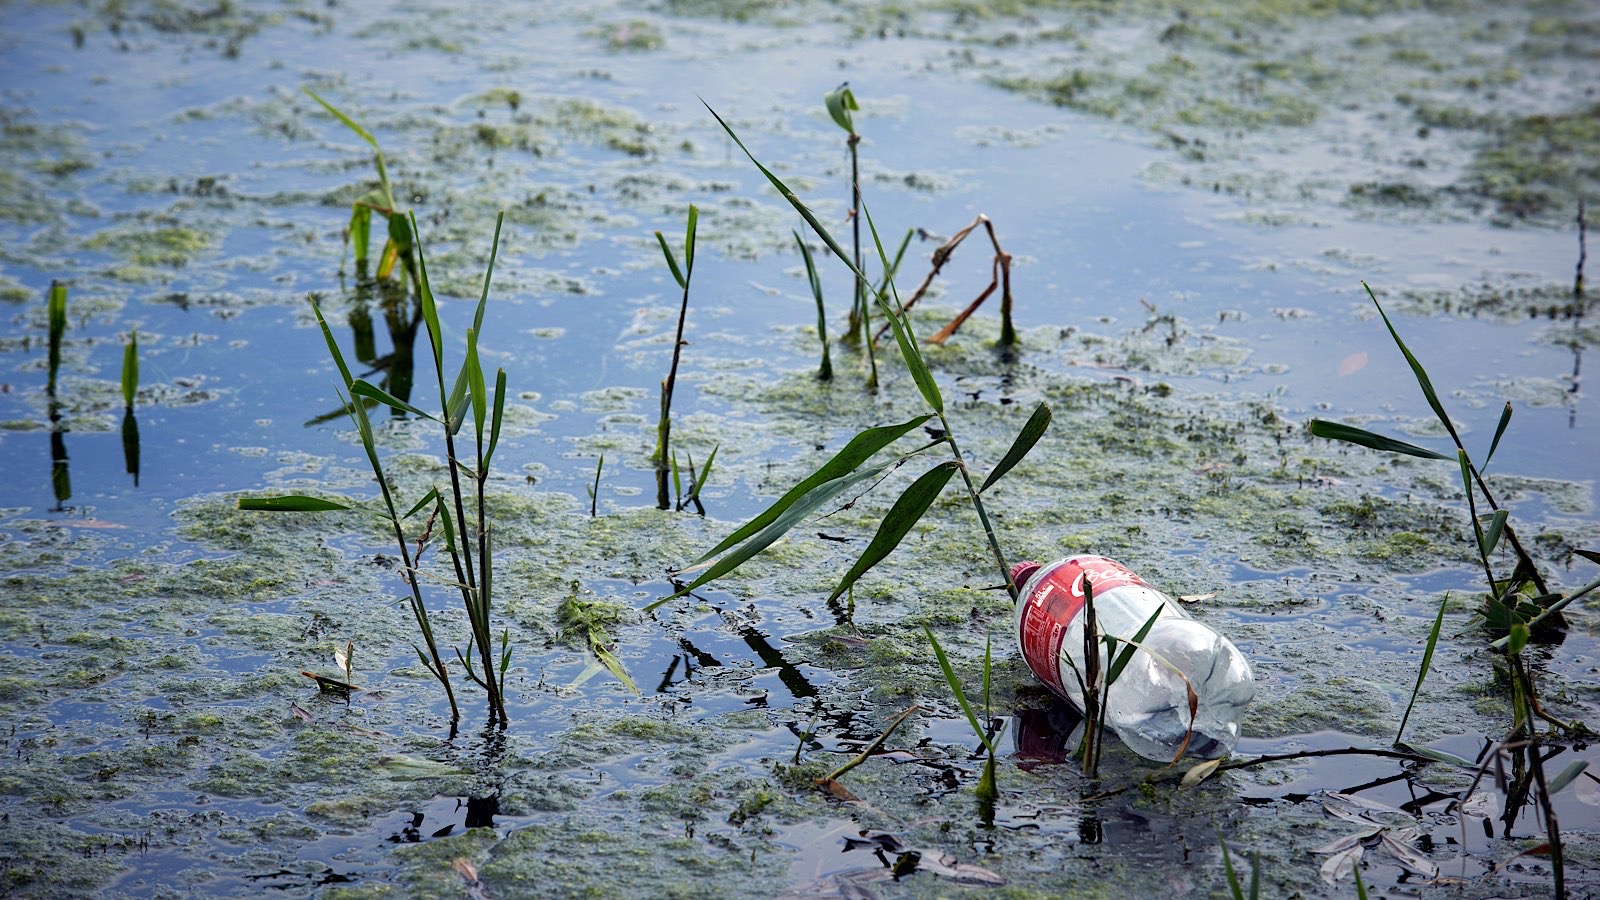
(1022, 571)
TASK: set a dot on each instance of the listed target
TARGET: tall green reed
(683, 276)
(467, 538)
(848, 468)
(130, 390)
(841, 104)
(1516, 606)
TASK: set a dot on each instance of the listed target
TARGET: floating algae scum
(1191, 201)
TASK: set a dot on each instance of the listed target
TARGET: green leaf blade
(905, 513)
(292, 503)
(860, 448)
(1030, 434)
(1352, 435)
(776, 528)
(362, 388)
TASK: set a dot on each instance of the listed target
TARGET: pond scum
(342, 761)
(1516, 608)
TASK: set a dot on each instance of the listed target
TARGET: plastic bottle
(1147, 705)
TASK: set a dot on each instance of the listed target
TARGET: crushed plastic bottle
(1147, 705)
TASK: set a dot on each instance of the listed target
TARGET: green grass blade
(1428, 392)
(475, 386)
(57, 310)
(898, 522)
(705, 473)
(903, 336)
(349, 123)
(777, 527)
(362, 388)
(499, 415)
(427, 499)
(130, 369)
(841, 102)
(672, 261)
(1030, 434)
(857, 451)
(292, 503)
(1505, 419)
(488, 275)
(1235, 889)
(430, 311)
(1352, 435)
(1422, 672)
(688, 244)
(955, 688)
(1361, 886)
(1466, 486)
(1496, 529)
(783, 189)
(333, 347)
(1255, 876)
(1126, 656)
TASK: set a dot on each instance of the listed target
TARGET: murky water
(1191, 215)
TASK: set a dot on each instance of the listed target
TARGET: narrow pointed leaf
(1352, 435)
(1030, 434)
(361, 388)
(1428, 392)
(688, 243)
(333, 347)
(130, 369)
(783, 189)
(488, 275)
(955, 688)
(1126, 656)
(348, 122)
(455, 406)
(1422, 670)
(857, 451)
(292, 503)
(499, 415)
(1505, 419)
(777, 527)
(672, 261)
(705, 472)
(475, 385)
(1492, 534)
(427, 499)
(430, 312)
(902, 333)
(898, 522)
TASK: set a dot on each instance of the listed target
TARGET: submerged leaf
(1341, 864)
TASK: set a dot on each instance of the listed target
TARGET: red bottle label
(1054, 603)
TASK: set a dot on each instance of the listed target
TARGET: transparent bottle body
(1148, 705)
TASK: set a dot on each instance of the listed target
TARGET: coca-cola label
(1055, 601)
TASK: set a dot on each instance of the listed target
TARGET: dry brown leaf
(1200, 772)
(833, 787)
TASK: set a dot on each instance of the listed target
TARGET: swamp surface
(1192, 196)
